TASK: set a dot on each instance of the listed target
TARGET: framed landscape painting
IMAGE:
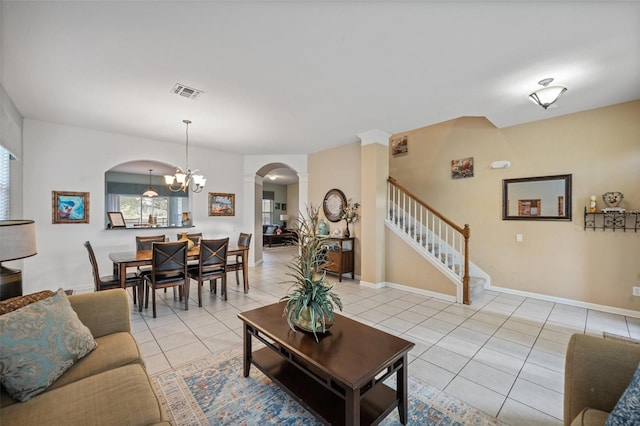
(70, 207)
(222, 204)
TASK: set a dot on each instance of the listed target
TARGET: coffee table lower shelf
(329, 407)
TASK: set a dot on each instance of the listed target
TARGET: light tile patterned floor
(504, 354)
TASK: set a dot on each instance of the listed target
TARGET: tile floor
(503, 355)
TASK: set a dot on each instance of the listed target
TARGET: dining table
(128, 259)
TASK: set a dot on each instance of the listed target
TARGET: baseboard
(570, 302)
(427, 293)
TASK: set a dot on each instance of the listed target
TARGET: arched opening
(125, 192)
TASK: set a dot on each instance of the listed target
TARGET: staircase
(436, 238)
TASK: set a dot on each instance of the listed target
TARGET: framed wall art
(69, 207)
(461, 169)
(222, 204)
(116, 220)
(399, 145)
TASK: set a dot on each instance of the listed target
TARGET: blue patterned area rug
(212, 391)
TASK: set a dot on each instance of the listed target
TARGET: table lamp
(284, 218)
(17, 241)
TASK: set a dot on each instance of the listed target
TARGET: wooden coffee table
(340, 379)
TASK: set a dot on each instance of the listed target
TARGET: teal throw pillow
(627, 410)
(38, 343)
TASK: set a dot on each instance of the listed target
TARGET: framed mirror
(537, 198)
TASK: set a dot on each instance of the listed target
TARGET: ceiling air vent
(186, 91)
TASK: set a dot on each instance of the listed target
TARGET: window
(267, 212)
(5, 183)
(164, 211)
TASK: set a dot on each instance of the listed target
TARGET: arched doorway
(259, 170)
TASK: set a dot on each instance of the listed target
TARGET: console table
(340, 259)
(340, 378)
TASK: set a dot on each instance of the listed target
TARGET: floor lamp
(17, 241)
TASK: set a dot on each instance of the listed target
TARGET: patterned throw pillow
(627, 410)
(40, 342)
(10, 305)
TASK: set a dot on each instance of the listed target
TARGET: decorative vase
(183, 237)
(323, 229)
(347, 233)
(613, 199)
(304, 322)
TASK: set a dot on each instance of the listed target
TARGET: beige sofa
(107, 387)
(597, 372)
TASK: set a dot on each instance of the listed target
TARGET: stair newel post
(466, 232)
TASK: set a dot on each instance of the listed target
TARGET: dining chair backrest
(244, 239)
(94, 265)
(213, 254)
(145, 242)
(195, 237)
(169, 260)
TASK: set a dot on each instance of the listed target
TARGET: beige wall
(293, 203)
(337, 168)
(600, 148)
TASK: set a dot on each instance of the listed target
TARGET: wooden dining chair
(145, 242)
(211, 266)
(235, 262)
(106, 282)
(168, 269)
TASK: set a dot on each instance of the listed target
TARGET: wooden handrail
(463, 230)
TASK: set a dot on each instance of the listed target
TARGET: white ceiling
(299, 77)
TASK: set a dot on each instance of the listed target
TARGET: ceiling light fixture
(272, 177)
(182, 180)
(150, 192)
(548, 95)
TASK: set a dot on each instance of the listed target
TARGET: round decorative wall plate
(333, 204)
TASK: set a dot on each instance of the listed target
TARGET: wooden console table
(340, 259)
(340, 378)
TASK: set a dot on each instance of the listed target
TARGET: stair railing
(432, 230)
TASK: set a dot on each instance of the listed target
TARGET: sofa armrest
(104, 312)
(597, 372)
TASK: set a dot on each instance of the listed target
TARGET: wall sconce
(548, 95)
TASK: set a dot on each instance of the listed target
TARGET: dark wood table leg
(246, 350)
(123, 275)
(245, 277)
(352, 407)
(401, 379)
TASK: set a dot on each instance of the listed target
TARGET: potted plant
(310, 302)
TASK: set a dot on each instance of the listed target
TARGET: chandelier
(185, 179)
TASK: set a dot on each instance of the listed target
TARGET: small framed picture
(461, 169)
(70, 207)
(116, 220)
(277, 206)
(399, 145)
(283, 207)
(222, 204)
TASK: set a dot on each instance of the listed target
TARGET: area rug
(212, 391)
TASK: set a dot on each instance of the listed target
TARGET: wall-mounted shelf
(613, 220)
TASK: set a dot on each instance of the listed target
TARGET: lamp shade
(17, 239)
(284, 217)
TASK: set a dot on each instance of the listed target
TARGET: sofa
(598, 372)
(275, 234)
(108, 386)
